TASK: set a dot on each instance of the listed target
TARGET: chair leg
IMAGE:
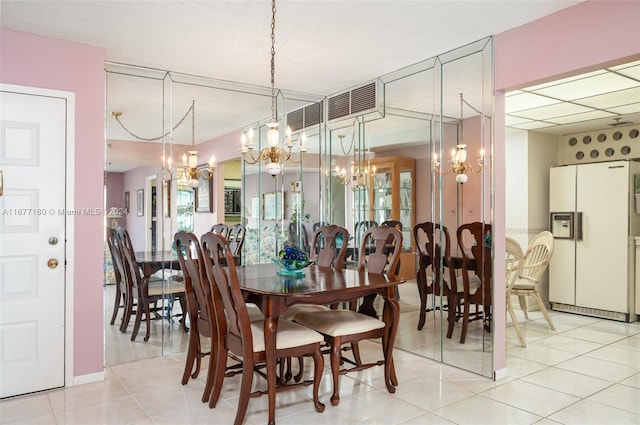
(335, 370)
(318, 362)
(451, 315)
(355, 349)
(465, 321)
(128, 311)
(422, 290)
(522, 299)
(543, 308)
(116, 304)
(192, 353)
(136, 326)
(245, 389)
(516, 325)
(220, 361)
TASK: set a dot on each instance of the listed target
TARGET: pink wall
(31, 60)
(582, 38)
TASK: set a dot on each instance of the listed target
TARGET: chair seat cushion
(289, 335)
(339, 322)
(254, 312)
(157, 288)
(296, 309)
(474, 284)
(523, 285)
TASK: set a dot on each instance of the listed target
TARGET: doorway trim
(70, 99)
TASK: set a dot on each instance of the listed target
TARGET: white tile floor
(585, 372)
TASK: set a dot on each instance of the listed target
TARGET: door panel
(601, 270)
(562, 270)
(32, 241)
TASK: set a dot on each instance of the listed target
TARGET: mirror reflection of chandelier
(273, 155)
(458, 162)
(189, 173)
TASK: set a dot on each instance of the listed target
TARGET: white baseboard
(500, 374)
(87, 379)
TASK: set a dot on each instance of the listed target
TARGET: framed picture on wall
(272, 206)
(127, 202)
(140, 202)
(204, 191)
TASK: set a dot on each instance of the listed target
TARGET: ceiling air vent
(618, 122)
(306, 116)
(354, 102)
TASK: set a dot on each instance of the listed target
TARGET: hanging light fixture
(341, 173)
(273, 155)
(458, 162)
(189, 173)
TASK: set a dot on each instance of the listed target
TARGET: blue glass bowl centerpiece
(291, 261)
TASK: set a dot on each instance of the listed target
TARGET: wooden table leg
(270, 331)
(391, 317)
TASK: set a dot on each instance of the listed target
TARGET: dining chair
(120, 299)
(434, 250)
(220, 228)
(476, 273)
(244, 338)
(513, 260)
(359, 230)
(235, 238)
(199, 308)
(347, 326)
(145, 292)
(532, 267)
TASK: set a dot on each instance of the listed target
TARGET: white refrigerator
(594, 221)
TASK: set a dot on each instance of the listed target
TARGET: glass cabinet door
(185, 209)
(382, 193)
(406, 207)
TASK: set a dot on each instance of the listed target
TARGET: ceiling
(322, 48)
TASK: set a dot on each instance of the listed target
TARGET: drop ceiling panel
(585, 87)
(567, 119)
(524, 100)
(613, 99)
(553, 111)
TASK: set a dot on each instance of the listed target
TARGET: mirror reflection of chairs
(220, 228)
(149, 295)
(476, 274)
(524, 272)
(235, 237)
(436, 273)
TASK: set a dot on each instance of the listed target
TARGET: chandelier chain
(341, 136)
(152, 139)
(273, 60)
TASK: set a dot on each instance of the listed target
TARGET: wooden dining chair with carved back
(347, 326)
(244, 338)
(220, 228)
(199, 307)
(235, 238)
(434, 247)
(149, 295)
(474, 245)
(120, 299)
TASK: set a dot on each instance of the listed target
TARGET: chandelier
(458, 163)
(189, 173)
(341, 173)
(273, 155)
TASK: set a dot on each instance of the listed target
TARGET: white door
(562, 269)
(32, 242)
(602, 255)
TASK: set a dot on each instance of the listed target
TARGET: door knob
(53, 240)
(52, 263)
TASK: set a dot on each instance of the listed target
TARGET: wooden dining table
(152, 261)
(274, 294)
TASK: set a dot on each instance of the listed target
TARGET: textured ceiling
(322, 47)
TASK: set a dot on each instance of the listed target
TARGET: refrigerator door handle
(578, 223)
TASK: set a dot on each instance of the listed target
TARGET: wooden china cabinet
(392, 196)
